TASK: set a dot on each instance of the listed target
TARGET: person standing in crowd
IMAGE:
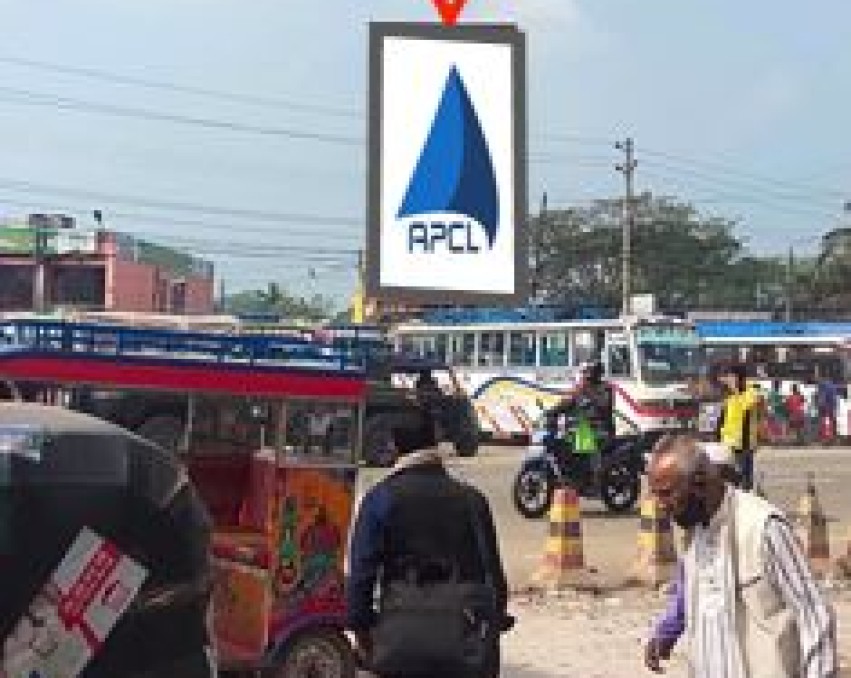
(420, 516)
(827, 403)
(778, 417)
(738, 426)
(796, 407)
(751, 606)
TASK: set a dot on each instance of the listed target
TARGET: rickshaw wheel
(316, 654)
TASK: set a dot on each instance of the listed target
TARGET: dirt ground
(603, 636)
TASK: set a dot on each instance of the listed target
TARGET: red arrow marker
(450, 10)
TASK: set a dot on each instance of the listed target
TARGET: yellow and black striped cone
(843, 562)
(812, 529)
(657, 556)
(563, 565)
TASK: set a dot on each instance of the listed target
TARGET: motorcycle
(550, 462)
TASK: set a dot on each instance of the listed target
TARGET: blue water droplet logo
(455, 172)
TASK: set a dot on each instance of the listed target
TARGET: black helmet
(64, 472)
(594, 370)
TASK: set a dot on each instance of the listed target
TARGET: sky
(253, 154)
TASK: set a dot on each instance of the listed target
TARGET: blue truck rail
(118, 341)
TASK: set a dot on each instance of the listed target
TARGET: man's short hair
(739, 370)
(409, 440)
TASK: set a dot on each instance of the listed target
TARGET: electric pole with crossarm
(627, 168)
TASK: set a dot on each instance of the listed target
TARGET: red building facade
(44, 269)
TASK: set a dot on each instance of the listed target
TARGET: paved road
(610, 541)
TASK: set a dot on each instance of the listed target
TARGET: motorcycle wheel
(620, 487)
(533, 491)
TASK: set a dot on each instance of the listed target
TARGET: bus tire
(164, 430)
(324, 653)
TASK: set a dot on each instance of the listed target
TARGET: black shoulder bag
(439, 627)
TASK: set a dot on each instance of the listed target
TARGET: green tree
(274, 300)
(830, 288)
(687, 260)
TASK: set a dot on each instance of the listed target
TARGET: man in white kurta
(752, 606)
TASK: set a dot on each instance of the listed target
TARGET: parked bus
(800, 353)
(251, 416)
(513, 371)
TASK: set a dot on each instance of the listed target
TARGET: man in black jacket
(420, 514)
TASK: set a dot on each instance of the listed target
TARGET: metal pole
(790, 284)
(40, 273)
(628, 170)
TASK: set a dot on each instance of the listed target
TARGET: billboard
(23, 241)
(447, 165)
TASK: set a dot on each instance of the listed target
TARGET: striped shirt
(788, 570)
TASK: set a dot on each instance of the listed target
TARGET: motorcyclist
(595, 399)
(590, 411)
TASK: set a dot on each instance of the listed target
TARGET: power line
(262, 248)
(16, 95)
(779, 202)
(175, 205)
(718, 171)
(147, 219)
(121, 79)
(751, 177)
(131, 80)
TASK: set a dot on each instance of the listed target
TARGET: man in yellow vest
(739, 422)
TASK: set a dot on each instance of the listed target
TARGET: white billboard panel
(447, 164)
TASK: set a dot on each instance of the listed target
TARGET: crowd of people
(795, 416)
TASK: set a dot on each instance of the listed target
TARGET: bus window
(522, 349)
(620, 361)
(441, 344)
(406, 344)
(465, 351)
(491, 349)
(554, 350)
(586, 347)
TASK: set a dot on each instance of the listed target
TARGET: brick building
(50, 264)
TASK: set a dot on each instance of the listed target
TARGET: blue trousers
(744, 465)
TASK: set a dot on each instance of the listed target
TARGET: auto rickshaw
(250, 418)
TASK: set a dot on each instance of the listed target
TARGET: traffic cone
(564, 561)
(657, 556)
(812, 529)
(843, 562)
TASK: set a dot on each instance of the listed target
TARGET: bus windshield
(669, 354)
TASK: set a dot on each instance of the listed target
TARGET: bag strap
(478, 533)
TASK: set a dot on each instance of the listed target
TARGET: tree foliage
(274, 300)
(687, 260)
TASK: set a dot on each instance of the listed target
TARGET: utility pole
(790, 284)
(39, 270)
(537, 248)
(627, 168)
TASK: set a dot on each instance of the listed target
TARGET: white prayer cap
(719, 454)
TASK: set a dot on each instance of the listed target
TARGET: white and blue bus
(802, 353)
(513, 370)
